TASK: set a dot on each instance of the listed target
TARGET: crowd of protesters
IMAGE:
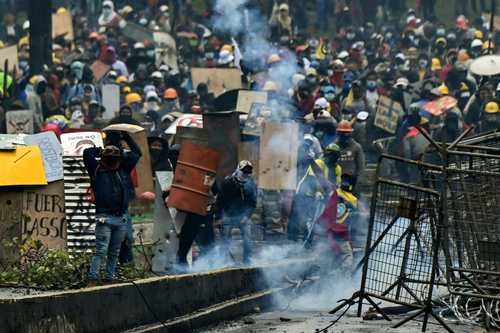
(377, 51)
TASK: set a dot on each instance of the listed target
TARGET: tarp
(23, 166)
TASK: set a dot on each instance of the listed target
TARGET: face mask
(330, 97)
(311, 80)
(371, 85)
(422, 63)
(107, 12)
(111, 162)
(152, 106)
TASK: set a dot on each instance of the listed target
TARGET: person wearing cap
(320, 180)
(281, 23)
(170, 102)
(109, 169)
(152, 102)
(352, 156)
(235, 204)
(125, 116)
(158, 81)
(490, 120)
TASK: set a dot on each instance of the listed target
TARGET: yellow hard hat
(491, 107)
(441, 40)
(486, 45)
(121, 79)
(227, 47)
(2, 45)
(126, 90)
(478, 34)
(23, 42)
(436, 64)
(443, 89)
(61, 10)
(464, 87)
(133, 98)
(273, 58)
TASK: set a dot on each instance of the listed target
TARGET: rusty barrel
(193, 178)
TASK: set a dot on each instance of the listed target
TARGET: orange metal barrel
(194, 176)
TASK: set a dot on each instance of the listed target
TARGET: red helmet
(344, 127)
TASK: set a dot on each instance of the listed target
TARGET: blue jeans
(235, 222)
(110, 231)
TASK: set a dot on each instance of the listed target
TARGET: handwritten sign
(19, 122)
(388, 113)
(36, 213)
(51, 154)
(75, 143)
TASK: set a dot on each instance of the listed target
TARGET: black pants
(191, 228)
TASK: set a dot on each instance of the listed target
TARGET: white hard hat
(26, 25)
(476, 43)
(321, 103)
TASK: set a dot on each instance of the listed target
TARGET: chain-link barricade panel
(472, 225)
(399, 258)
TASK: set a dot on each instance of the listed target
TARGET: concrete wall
(119, 307)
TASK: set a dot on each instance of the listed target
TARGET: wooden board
(143, 168)
(387, 115)
(259, 113)
(33, 213)
(10, 54)
(62, 25)
(219, 80)
(278, 156)
(247, 97)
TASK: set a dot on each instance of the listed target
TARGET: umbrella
(486, 65)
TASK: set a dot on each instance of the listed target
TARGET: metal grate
(400, 238)
(80, 214)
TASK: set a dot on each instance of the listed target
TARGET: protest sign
(11, 141)
(22, 166)
(51, 153)
(246, 98)
(110, 100)
(33, 213)
(387, 115)
(166, 50)
(19, 122)
(218, 80)
(9, 53)
(75, 143)
(62, 25)
(44, 216)
(137, 32)
(187, 120)
(439, 106)
(99, 69)
(278, 156)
